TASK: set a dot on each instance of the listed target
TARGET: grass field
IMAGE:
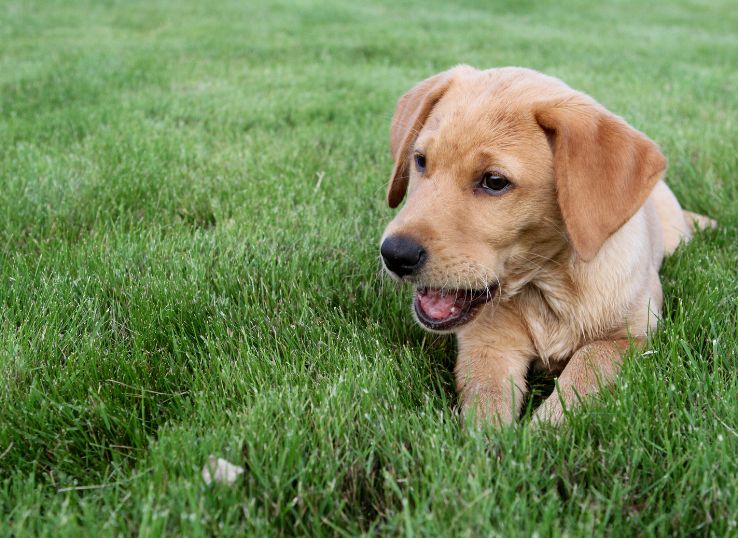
(191, 196)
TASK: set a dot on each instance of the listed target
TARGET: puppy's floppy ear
(412, 110)
(604, 169)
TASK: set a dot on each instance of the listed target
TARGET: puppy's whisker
(556, 226)
(529, 261)
(543, 257)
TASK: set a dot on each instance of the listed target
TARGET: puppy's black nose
(402, 255)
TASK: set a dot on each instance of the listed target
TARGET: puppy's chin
(444, 311)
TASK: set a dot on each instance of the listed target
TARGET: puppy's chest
(554, 326)
(553, 342)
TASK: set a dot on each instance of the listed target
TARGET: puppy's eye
(495, 183)
(420, 162)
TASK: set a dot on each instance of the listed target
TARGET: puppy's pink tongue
(437, 306)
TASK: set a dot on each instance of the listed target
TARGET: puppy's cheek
(496, 261)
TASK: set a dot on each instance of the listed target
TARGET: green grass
(176, 281)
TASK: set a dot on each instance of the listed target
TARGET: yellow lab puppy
(534, 228)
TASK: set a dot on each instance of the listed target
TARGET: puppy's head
(506, 171)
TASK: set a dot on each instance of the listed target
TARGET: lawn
(191, 198)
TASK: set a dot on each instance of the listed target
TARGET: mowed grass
(191, 196)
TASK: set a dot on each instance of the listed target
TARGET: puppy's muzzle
(403, 255)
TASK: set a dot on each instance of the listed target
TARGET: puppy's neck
(546, 266)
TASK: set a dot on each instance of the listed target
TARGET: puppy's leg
(491, 386)
(490, 369)
(593, 366)
(701, 222)
(673, 223)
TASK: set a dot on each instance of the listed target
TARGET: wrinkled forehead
(472, 115)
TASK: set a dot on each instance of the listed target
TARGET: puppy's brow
(487, 160)
(424, 145)
(433, 123)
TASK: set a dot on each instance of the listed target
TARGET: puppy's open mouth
(441, 310)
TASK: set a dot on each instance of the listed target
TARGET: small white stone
(220, 471)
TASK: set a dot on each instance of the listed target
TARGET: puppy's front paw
(483, 408)
(550, 411)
